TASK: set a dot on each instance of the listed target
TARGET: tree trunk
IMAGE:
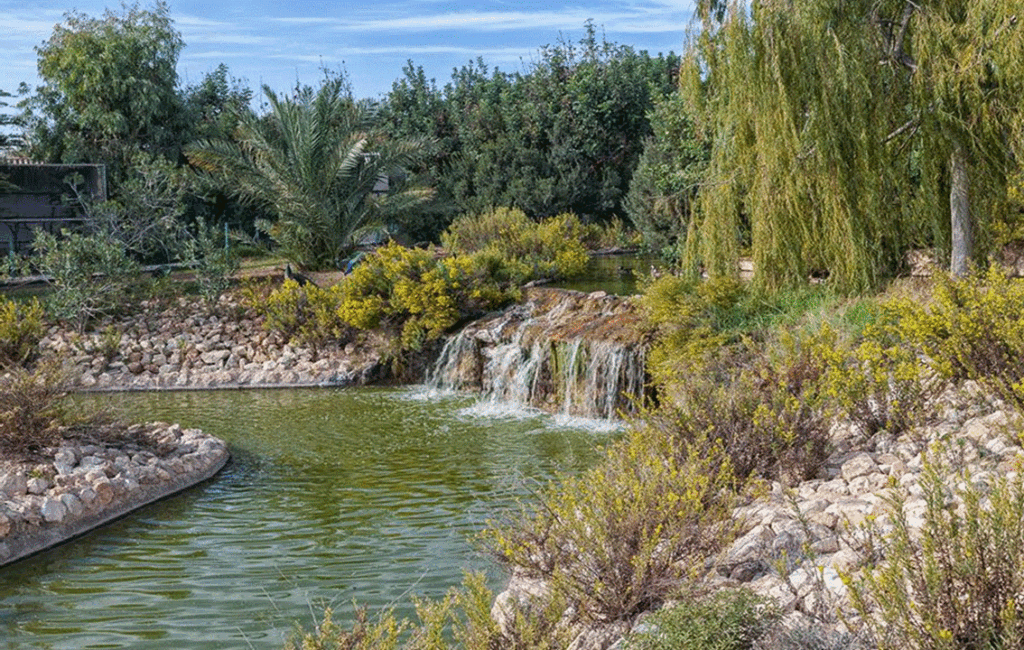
(959, 212)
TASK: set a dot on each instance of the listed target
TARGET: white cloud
(644, 19)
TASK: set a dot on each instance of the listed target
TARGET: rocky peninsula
(85, 485)
(181, 345)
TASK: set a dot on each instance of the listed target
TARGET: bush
(959, 581)
(552, 248)
(725, 620)
(21, 328)
(213, 263)
(766, 413)
(307, 315)
(384, 634)
(621, 537)
(880, 383)
(459, 620)
(419, 297)
(970, 329)
(31, 409)
(90, 275)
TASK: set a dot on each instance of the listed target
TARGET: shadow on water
(616, 274)
(331, 496)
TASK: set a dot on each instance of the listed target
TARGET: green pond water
(616, 274)
(331, 496)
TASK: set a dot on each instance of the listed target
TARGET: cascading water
(563, 351)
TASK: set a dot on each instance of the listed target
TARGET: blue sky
(277, 43)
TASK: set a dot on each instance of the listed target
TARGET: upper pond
(331, 496)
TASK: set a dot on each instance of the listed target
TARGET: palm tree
(314, 161)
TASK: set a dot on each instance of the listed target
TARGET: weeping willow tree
(837, 125)
(968, 90)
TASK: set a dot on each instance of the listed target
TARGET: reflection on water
(616, 274)
(331, 496)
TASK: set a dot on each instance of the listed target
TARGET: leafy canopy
(109, 88)
(839, 127)
(314, 161)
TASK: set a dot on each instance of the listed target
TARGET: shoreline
(178, 346)
(85, 486)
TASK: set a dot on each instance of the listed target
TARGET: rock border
(88, 486)
(190, 345)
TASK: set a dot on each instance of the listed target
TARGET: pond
(617, 274)
(332, 496)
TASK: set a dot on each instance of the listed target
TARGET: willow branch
(901, 130)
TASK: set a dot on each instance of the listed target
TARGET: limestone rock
(860, 464)
(13, 484)
(53, 510)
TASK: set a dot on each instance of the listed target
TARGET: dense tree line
(562, 136)
(823, 137)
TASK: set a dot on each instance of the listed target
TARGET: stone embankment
(796, 542)
(187, 345)
(43, 504)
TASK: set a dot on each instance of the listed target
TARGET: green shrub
(212, 262)
(460, 620)
(614, 233)
(621, 537)
(90, 275)
(419, 297)
(970, 329)
(956, 583)
(765, 411)
(383, 634)
(880, 383)
(725, 620)
(692, 316)
(32, 409)
(21, 328)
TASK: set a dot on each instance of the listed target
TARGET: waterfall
(562, 351)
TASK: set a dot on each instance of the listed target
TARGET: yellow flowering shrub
(551, 248)
(972, 328)
(879, 382)
(21, 328)
(623, 535)
(420, 297)
(765, 410)
(958, 581)
(307, 315)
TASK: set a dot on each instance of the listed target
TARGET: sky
(279, 43)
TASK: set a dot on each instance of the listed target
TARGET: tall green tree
(314, 161)
(967, 64)
(109, 89)
(839, 126)
(213, 108)
(11, 136)
(417, 108)
(563, 135)
(668, 174)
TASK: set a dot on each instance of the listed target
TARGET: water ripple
(330, 496)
